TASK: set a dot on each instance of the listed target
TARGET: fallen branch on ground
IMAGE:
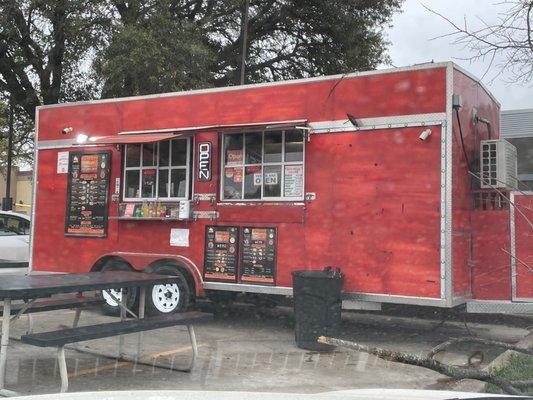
(467, 339)
(429, 363)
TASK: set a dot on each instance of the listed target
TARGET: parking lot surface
(250, 349)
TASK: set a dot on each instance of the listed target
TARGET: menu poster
(220, 255)
(258, 255)
(87, 194)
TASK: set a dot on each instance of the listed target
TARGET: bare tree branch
(426, 362)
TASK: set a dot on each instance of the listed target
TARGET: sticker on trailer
(179, 237)
(62, 162)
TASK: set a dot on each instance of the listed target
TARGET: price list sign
(258, 255)
(220, 255)
(87, 194)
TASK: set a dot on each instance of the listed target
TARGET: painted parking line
(118, 364)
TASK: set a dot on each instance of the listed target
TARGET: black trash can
(317, 306)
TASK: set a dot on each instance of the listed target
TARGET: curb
(471, 385)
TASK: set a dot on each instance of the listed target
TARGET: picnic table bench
(29, 288)
(62, 337)
(33, 306)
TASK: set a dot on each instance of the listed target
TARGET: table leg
(62, 368)
(122, 318)
(142, 304)
(4, 342)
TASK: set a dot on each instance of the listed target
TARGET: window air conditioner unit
(498, 164)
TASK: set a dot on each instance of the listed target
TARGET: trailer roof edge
(478, 81)
(415, 67)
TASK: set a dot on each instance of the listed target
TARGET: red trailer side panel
(466, 234)
(377, 208)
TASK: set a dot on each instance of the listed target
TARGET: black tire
(110, 307)
(168, 299)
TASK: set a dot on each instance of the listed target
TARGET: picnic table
(32, 287)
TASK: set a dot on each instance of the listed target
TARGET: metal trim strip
(477, 80)
(252, 86)
(498, 306)
(34, 191)
(287, 291)
(512, 233)
(396, 121)
(396, 299)
(446, 197)
(239, 287)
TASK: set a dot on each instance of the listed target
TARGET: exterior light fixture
(81, 138)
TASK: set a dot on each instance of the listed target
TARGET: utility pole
(244, 39)
(7, 201)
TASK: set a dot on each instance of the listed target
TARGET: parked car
(14, 237)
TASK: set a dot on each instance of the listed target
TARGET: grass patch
(520, 367)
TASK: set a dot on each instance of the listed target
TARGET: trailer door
(522, 245)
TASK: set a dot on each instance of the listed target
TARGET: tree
(511, 40)
(149, 50)
(22, 138)
(43, 45)
(286, 39)
(63, 50)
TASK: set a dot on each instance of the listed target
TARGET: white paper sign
(271, 178)
(62, 162)
(258, 179)
(179, 237)
(294, 181)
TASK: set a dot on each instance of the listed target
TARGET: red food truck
(232, 189)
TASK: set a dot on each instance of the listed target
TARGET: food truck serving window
(263, 166)
(157, 170)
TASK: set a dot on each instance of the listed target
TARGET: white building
(517, 127)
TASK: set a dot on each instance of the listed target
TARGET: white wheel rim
(110, 300)
(166, 297)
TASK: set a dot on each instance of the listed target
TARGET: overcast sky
(415, 27)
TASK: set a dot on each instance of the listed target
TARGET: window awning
(267, 125)
(151, 136)
(141, 138)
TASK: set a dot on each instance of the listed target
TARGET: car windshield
(254, 198)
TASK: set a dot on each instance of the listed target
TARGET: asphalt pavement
(252, 349)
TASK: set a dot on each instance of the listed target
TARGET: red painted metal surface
(491, 274)
(377, 208)
(465, 232)
(368, 96)
(524, 246)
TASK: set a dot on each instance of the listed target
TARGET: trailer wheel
(168, 298)
(110, 306)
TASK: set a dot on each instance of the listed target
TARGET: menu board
(258, 255)
(87, 194)
(220, 255)
(294, 181)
